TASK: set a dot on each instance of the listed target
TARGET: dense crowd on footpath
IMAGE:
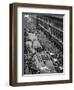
(40, 54)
